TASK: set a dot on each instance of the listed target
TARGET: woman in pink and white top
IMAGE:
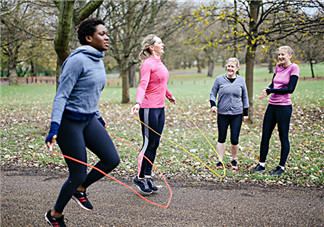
(279, 109)
(150, 100)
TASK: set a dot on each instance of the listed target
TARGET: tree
(21, 26)
(311, 50)
(256, 23)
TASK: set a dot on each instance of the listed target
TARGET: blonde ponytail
(147, 42)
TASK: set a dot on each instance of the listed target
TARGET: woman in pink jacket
(150, 101)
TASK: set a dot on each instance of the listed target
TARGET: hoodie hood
(90, 51)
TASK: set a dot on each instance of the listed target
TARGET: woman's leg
(284, 116)
(151, 117)
(235, 125)
(99, 142)
(71, 142)
(161, 119)
(222, 123)
(220, 150)
(269, 122)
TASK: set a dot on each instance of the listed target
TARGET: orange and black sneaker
(234, 165)
(219, 165)
(55, 222)
(82, 200)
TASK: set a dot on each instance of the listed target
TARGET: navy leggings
(154, 118)
(235, 122)
(276, 115)
(73, 138)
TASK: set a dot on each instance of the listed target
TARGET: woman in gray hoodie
(76, 123)
(232, 108)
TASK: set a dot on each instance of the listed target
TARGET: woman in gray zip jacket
(232, 108)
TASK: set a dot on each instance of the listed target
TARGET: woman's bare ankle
(81, 189)
(54, 214)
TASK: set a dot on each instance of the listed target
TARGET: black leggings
(281, 115)
(154, 118)
(234, 121)
(73, 138)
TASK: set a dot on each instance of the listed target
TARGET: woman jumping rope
(76, 123)
(150, 101)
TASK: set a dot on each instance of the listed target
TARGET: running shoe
(142, 185)
(219, 165)
(278, 171)
(82, 200)
(234, 165)
(151, 184)
(56, 222)
(258, 168)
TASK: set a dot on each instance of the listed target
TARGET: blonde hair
(146, 43)
(235, 60)
(288, 48)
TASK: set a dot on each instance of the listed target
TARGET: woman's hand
(245, 118)
(214, 109)
(135, 109)
(51, 143)
(172, 99)
(263, 94)
(52, 135)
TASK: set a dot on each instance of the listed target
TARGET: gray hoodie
(82, 79)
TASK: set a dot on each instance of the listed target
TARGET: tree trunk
(125, 82)
(32, 68)
(270, 66)
(132, 76)
(235, 29)
(63, 34)
(312, 69)
(250, 52)
(198, 65)
(211, 65)
(249, 60)
(58, 70)
(13, 79)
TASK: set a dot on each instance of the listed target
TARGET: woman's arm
(145, 79)
(289, 89)
(213, 94)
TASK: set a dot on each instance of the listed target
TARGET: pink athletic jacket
(153, 84)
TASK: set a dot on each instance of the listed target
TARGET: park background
(36, 37)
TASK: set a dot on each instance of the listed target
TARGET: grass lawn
(26, 110)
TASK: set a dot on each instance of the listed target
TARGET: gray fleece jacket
(232, 97)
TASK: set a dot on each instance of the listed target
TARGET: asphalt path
(26, 194)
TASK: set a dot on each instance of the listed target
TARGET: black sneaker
(278, 171)
(219, 165)
(151, 184)
(82, 200)
(258, 168)
(56, 222)
(142, 185)
(234, 165)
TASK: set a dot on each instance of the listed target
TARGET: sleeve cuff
(212, 103)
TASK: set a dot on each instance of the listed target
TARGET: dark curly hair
(88, 28)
